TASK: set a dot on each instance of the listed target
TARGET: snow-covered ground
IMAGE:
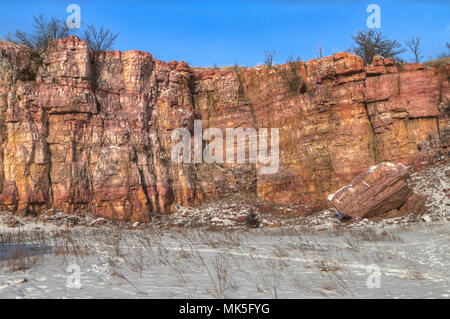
(288, 262)
(412, 254)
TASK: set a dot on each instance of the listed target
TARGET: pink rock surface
(66, 145)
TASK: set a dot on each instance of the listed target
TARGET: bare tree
(99, 40)
(268, 58)
(369, 43)
(44, 32)
(37, 42)
(414, 46)
(236, 67)
(320, 52)
(291, 59)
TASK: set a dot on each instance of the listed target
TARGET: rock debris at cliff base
(231, 214)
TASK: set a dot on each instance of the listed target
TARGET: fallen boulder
(378, 190)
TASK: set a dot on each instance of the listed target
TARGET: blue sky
(203, 33)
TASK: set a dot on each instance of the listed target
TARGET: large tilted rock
(378, 190)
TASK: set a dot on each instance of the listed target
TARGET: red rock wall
(107, 151)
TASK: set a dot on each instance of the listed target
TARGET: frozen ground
(316, 259)
(288, 262)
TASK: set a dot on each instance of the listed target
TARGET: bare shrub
(252, 220)
(320, 52)
(44, 31)
(445, 55)
(236, 67)
(269, 58)
(99, 39)
(291, 79)
(414, 47)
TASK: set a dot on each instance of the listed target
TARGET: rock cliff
(85, 136)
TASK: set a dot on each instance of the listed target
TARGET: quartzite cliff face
(64, 145)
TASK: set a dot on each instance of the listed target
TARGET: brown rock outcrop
(106, 148)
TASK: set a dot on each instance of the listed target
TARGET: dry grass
(366, 234)
(438, 63)
(286, 258)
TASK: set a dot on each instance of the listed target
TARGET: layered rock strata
(95, 135)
